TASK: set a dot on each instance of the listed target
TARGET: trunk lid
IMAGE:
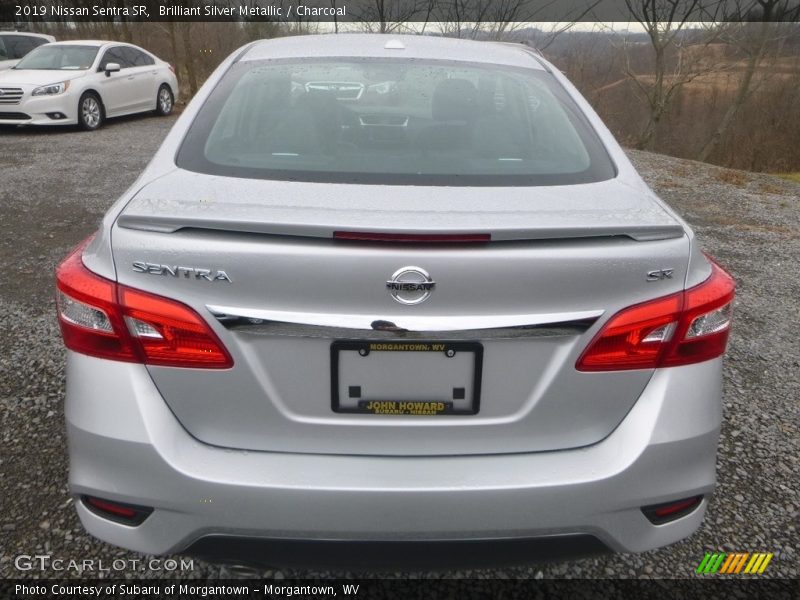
(183, 199)
(561, 261)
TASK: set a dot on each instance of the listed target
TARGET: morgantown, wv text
(123, 590)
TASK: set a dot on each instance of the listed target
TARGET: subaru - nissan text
(391, 301)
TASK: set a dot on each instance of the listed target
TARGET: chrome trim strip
(340, 326)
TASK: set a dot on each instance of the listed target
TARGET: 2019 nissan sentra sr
(391, 301)
(83, 83)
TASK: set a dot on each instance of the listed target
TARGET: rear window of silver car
(394, 122)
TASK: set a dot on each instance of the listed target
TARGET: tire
(165, 101)
(91, 114)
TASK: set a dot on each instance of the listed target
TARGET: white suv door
(144, 72)
(118, 89)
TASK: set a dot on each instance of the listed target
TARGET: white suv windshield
(394, 122)
(59, 58)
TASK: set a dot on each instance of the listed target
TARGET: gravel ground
(750, 222)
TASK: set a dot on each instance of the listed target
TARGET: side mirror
(111, 68)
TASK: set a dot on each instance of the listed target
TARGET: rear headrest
(317, 100)
(274, 92)
(455, 100)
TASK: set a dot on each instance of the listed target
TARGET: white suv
(15, 44)
(83, 83)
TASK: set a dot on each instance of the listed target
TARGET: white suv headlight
(51, 90)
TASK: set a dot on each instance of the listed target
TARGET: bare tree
(592, 62)
(501, 19)
(507, 16)
(664, 22)
(335, 17)
(387, 16)
(189, 62)
(122, 25)
(451, 15)
(753, 40)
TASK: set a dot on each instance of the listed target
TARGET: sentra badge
(180, 271)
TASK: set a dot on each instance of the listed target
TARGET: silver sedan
(391, 301)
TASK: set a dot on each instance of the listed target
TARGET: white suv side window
(115, 55)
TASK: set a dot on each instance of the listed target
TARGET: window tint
(3, 54)
(137, 58)
(115, 55)
(17, 46)
(394, 122)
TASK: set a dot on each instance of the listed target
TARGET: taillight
(680, 329)
(171, 68)
(88, 312)
(102, 318)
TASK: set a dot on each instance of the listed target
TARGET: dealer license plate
(406, 377)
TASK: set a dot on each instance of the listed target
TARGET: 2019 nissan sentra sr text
(385, 301)
(83, 83)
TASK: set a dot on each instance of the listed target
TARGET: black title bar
(698, 588)
(29, 12)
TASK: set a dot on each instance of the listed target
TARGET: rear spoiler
(173, 224)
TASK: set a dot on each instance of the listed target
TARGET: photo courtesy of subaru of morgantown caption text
(387, 301)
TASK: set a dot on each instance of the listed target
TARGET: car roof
(28, 33)
(100, 44)
(97, 43)
(364, 45)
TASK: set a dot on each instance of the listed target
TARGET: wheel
(164, 101)
(90, 112)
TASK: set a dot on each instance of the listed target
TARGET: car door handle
(131, 77)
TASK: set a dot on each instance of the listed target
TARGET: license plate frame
(389, 346)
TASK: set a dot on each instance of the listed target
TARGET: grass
(790, 176)
(733, 177)
(768, 188)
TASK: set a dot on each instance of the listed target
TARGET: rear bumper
(380, 556)
(126, 445)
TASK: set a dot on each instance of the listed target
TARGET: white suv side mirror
(111, 68)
